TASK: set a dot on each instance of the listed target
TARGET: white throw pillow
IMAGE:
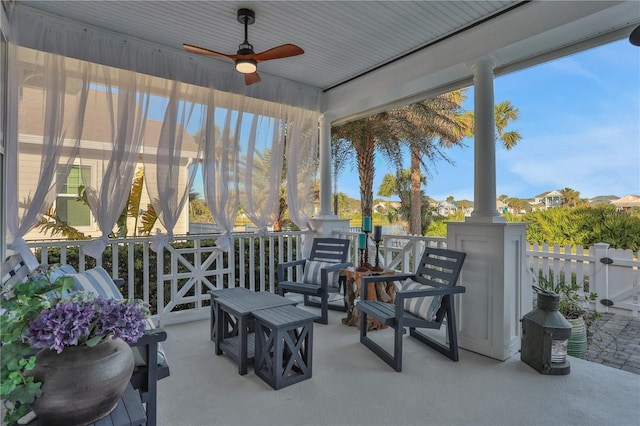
(313, 273)
(98, 281)
(423, 307)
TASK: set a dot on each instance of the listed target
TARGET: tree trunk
(416, 196)
(365, 151)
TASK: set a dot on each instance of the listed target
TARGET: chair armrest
(408, 294)
(151, 337)
(287, 265)
(119, 282)
(338, 266)
(380, 279)
(332, 268)
(145, 380)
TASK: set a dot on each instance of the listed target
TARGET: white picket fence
(612, 274)
(176, 284)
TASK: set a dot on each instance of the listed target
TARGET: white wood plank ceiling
(341, 39)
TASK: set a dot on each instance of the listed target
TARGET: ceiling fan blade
(202, 51)
(284, 51)
(251, 78)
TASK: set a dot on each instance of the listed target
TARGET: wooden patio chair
(151, 364)
(424, 300)
(320, 274)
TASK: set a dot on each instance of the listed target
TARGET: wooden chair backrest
(14, 270)
(440, 268)
(332, 250)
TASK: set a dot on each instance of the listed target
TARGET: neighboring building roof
(544, 194)
(627, 201)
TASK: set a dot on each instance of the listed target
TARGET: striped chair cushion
(61, 271)
(98, 281)
(313, 273)
(423, 307)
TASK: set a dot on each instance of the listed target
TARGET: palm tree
(570, 196)
(400, 185)
(428, 127)
(504, 113)
(341, 155)
(366, 135)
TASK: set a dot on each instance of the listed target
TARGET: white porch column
(326, 222)
(484, 203)
(325, 166)
(494, 271)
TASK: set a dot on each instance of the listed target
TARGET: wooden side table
(240, 347)
(383, 291)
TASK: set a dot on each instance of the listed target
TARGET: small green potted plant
(574, 306)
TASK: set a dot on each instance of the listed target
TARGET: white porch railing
(176, 283)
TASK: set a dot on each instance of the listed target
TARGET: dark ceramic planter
(81, 384)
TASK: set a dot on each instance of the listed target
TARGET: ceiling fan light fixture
(634, 37)
(246, 66)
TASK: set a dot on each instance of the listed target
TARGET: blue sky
(580, 122)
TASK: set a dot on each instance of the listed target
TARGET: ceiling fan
(246, 60)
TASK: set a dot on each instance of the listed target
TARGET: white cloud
(595, 161)
(572, 67)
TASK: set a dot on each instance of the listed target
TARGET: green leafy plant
(22, 303)
(573, 302)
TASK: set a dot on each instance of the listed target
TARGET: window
(70, 209)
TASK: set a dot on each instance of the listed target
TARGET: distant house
(549, 199)
(87, 170)
(445, 209)
(380, 207)
(536, 206)
(384, 206)
(627, 202)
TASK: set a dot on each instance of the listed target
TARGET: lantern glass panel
(559, 351)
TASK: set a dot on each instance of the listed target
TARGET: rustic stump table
(383, 291)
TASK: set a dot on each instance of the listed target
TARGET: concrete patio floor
(351, 386)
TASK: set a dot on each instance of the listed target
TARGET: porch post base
(494, 275)
(323, 226)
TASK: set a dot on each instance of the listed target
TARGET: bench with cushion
(150, 360)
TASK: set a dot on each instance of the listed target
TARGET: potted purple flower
(84, 363)
(82, 319)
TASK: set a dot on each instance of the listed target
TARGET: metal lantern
(545, 335)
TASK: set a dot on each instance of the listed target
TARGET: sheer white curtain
(262, 168)
(53, 132)
(126, 94)
(168, 156)
(302, 166)
(221, 158)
